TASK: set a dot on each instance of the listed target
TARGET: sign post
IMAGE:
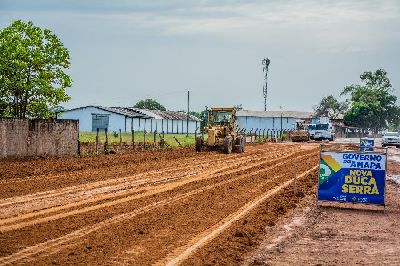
(352, 176)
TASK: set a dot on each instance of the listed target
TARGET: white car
(391, 139)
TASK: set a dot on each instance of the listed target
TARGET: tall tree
(150, 104)
(331, 107)
(373, 106)
(33, 62)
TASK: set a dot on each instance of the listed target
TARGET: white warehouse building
(270, 120)
(127, 119)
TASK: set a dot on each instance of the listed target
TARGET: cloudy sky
(123, 51)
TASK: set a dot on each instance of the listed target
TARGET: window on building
(100, 121)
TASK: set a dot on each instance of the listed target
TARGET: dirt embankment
(145, 208)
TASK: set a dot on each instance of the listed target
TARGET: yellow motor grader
(222, 131)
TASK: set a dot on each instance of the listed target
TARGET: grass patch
(139, 137)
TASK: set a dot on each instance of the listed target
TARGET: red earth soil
(160, 207)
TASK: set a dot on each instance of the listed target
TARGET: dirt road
(163, 207)
(337, 234)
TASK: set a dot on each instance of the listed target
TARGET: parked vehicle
(324, 132)
(391, 139)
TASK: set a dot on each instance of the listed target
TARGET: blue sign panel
(352, 177)
(367, 144)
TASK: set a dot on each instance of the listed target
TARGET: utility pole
(187, 117)
(265, 62)
(280, 107)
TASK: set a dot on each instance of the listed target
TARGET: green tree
(149, 104)
(373, 106)
(331, 107)
(362, 115)
(238, 106)
(33, 62)
(203, 116)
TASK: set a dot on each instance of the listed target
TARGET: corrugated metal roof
(124, 111)
(173, 115)
(117, 110)
(293, 114)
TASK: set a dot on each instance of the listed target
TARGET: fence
(263, 135)
(139, 141)
(22, 137)
(158, 140)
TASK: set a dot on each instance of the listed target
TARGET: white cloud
(251, 16)
(138, 47)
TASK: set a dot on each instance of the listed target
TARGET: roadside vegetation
(33, 72)
(173, 140)
(370, 105)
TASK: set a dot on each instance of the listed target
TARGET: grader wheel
(239, 144)
(199, 144)
(228, 145)
(243, 144)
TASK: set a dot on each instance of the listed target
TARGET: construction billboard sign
(352, 176)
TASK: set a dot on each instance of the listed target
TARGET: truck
(324, 132)
(321, 129)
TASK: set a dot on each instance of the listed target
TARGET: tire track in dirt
(12, 223)
(57, 192)
(168, 159)
(54, 245)
(120, 181)
(80, 175)
(22, 217)
(84, 220)
(217, 205)
(53, 168)
(182, 253)
(124, 181)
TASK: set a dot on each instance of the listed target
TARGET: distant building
(127, 119)
(270, 120)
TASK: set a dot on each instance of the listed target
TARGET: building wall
(84, 115)
(117, 122)
(160, 125)
(21, 137)
(267, 123)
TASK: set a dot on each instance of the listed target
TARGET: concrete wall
(21, 137)
(249, 122)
